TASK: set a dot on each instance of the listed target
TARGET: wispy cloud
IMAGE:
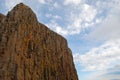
(87, 15)
(105, 75)
(53, 16)
(109, 27)
(106, 55)
(75, 2)
(75, 21)
(42, 1)
(103, 57)
(54, 25)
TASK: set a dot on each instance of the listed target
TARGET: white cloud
(11, 3)
(61, 31)
(110, 74)
(53, 16)
(81, 20)
(88, 13)
(109, 27)
(100, 75)
(103, 57)
(42, 1)
(77, 21)
(56, 27)
(85, 15)
(72, 29)
(75, 2)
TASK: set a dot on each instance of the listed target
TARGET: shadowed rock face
(31, 51)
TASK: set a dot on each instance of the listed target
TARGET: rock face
(31, 51)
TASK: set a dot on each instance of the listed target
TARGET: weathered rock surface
(31, 51)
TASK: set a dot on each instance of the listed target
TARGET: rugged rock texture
(31, 51)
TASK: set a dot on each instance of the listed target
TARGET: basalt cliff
(31, 51)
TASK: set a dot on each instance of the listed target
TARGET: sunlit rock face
(31, 51)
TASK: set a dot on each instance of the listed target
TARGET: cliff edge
(31, 51)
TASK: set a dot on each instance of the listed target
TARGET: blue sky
(91, 28)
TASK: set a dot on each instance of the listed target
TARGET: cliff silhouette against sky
(31, 51)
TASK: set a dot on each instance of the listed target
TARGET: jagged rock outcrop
(31, 51)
